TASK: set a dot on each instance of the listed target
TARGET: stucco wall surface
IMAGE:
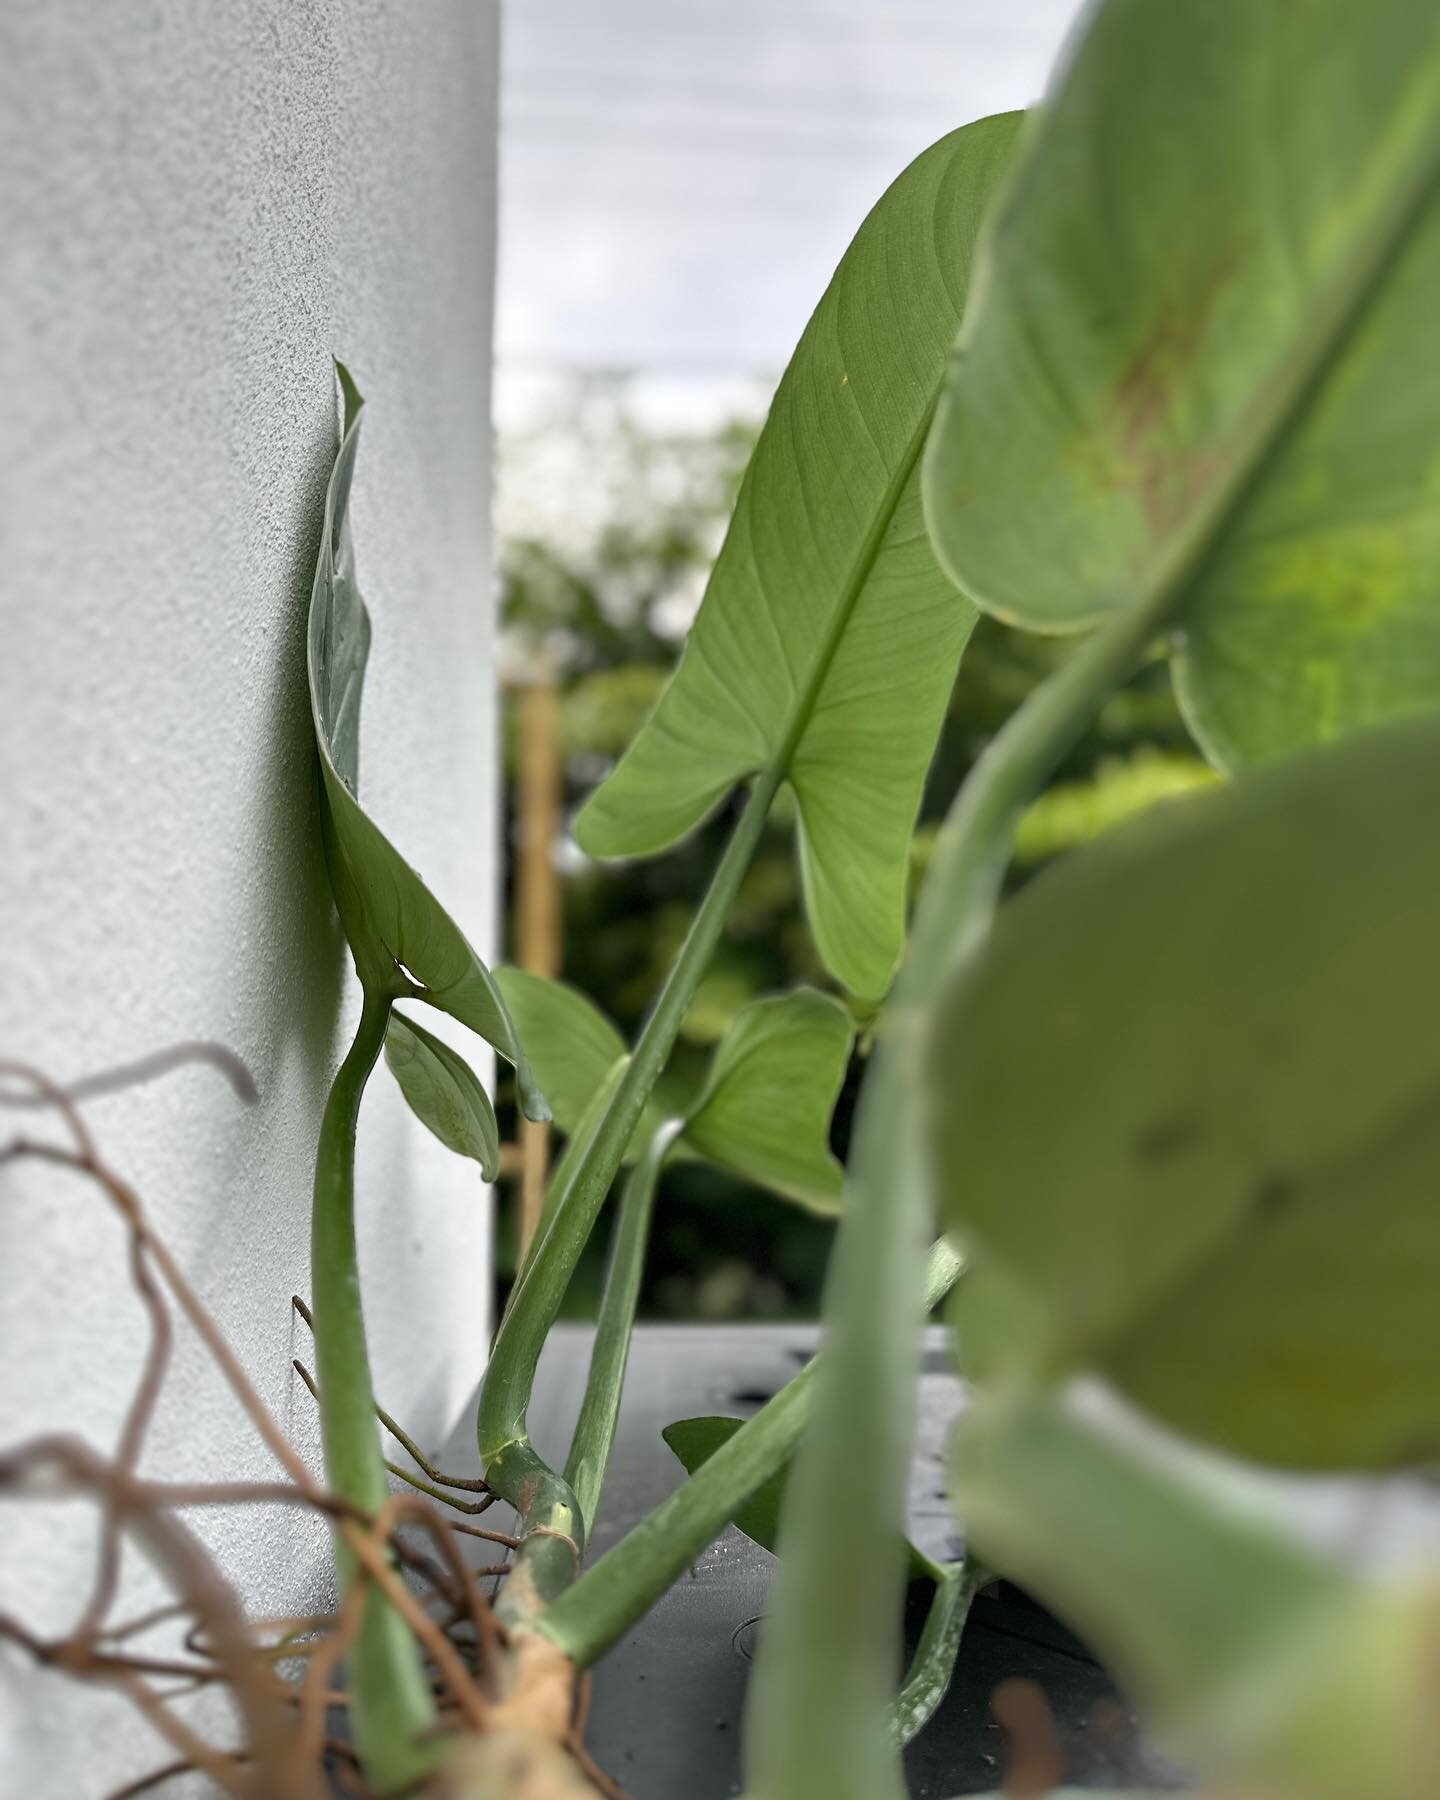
(198, 205)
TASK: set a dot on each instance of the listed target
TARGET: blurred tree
(608, 529)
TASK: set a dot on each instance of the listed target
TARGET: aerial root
(280, 1673)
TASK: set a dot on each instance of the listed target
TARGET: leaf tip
(352, 401)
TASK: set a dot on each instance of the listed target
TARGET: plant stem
(577, 1147)
(391, 1707)
(817, 1722)
(933, 1664)
(595, 1428)
(550, 1523)
(627, 1581)
(510, 1376)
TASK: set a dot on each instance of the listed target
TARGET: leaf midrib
(864, 564)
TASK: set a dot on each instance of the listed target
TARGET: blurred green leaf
(828, 638)
(1202, 354)
(404, 942)
(1072, 813)
(1258, 1661)
(1186, 1098)
(765, 1109)
(444, 1093)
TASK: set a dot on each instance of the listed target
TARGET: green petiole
(391, 1706)
(627, 1581)
(595, 1428)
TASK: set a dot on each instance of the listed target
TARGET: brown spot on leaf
(1145, 394)
(1163, 1139)
(1272, 1195)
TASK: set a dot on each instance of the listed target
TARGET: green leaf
(1202, 359)
(695, 1441)
(828, 639)
(1257, 1660)
(572, 1047)
(1186, 1098)
(444, 1093)
(403, 940)
(765, 1108)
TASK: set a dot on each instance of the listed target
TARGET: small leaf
(765, 1108)
(695, 1441)
(403, 940)
(1186, 1098)
(828, 638)
(572, 1047)
(1202, 359)
(444, 1093)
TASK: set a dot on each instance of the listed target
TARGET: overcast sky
(680, 177)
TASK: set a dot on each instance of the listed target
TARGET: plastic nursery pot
(667, 1703)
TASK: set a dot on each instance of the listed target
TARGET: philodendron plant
(1154, 366)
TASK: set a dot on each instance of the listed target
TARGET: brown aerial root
(281, 1673)
(1037, 1763)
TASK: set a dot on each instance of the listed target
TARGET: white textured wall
(198, 204)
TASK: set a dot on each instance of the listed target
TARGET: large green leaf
(1186, 1101)
(403, 940)
(1202, 357)
(765, 1108)
(828, 638)
(1257, 1661)
(443, 1092)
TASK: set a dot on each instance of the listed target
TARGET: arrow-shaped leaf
(1202, 359)
(444, 1093)
(404, 942)
(765, 1108)
(828, 639)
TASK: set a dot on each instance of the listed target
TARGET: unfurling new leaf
(404, 942)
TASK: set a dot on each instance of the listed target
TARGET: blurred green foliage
(599, 598)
